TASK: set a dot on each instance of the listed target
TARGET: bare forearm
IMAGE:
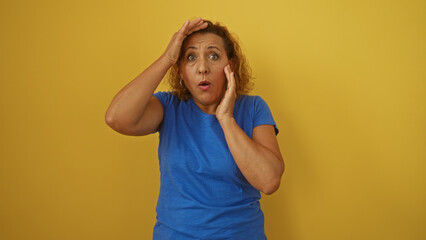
(259, 165)
(129, 104)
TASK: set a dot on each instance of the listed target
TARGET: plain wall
(345, 80)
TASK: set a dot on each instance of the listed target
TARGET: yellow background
(345, 80)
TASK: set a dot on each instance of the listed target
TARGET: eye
(190, 57)
(213, 56)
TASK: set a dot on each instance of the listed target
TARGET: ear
(179, 70)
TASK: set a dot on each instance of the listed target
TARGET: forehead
(202, 40)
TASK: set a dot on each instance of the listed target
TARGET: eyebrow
(209, 47)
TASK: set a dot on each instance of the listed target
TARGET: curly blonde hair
(242, 71)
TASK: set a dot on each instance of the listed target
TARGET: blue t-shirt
(203, 194)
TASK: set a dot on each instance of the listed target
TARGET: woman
(218, 146)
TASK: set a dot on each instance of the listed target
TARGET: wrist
(166, 61)
(226, 122)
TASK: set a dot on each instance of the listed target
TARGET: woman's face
(202, 68)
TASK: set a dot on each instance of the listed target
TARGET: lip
(204, 85)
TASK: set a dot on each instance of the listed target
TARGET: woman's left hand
(225, 110)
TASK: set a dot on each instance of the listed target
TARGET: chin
(207, 99)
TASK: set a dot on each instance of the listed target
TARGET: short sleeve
(262, 114)
(164, 98)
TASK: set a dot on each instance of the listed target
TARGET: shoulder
(250, 105)
(256, 107)
(163, 95)
(166, 98)
(251, 101)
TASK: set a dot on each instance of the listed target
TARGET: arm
(129, 110)
(259, 158)
(134, 111)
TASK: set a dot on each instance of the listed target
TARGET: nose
(203, 67)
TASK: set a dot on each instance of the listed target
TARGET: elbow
(274, 183)
(114, 124)
(272, 187)
(122, 127)
(110, 121)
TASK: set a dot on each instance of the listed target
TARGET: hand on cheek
(226, 107)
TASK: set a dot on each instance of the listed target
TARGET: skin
(258, 158)
(134, 111)
(205, 60)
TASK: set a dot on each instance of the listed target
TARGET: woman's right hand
(171, 54)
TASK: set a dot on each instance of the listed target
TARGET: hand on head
(171, 54)
(190, 27)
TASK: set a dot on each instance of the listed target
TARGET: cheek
(220, 72)
(186, 71)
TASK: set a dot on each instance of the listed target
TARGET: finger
(194, 23)
(228, 76)
(198, 27)
(184, 27)
(227, 73)
(201, 22)
(181, 34)
(232, 81)
(231, 78)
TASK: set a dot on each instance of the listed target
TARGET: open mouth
(204, 85)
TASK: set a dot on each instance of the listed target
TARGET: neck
(209, 109)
